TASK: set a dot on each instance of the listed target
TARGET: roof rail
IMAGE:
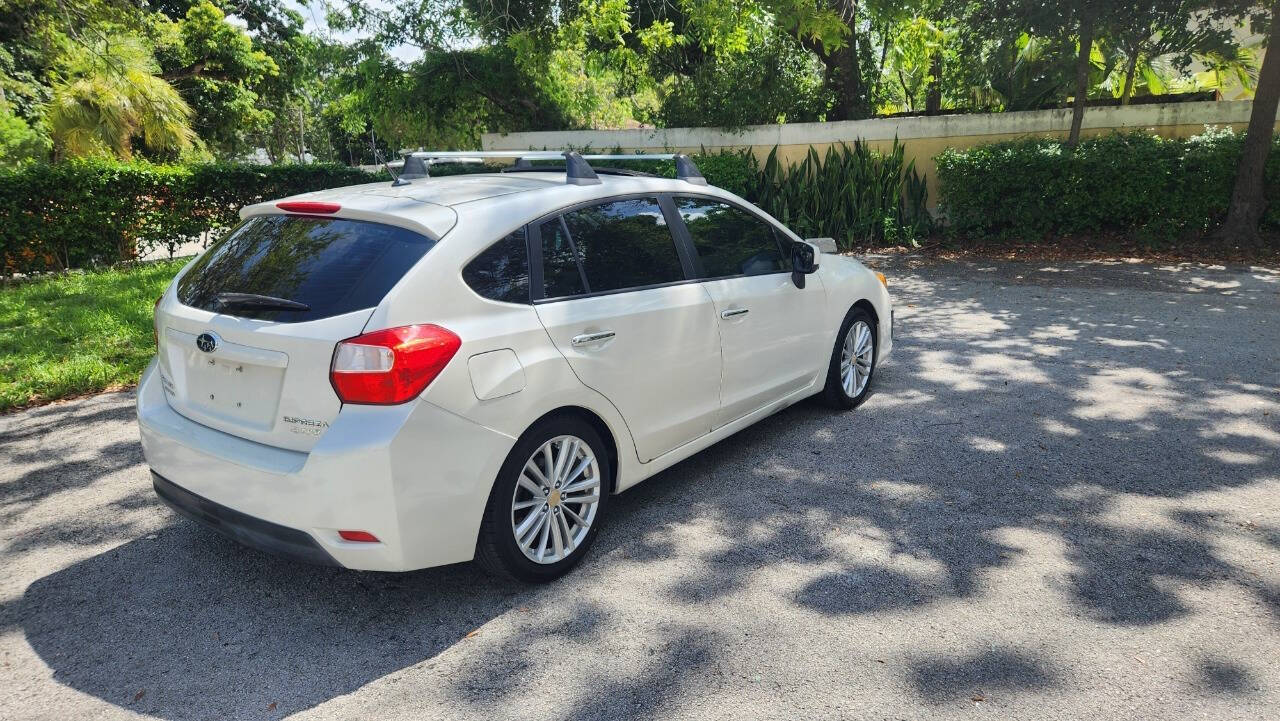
(577, 170)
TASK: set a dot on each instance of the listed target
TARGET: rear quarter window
(501, 272)
(332, 265)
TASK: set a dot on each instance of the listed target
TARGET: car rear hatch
(248, 334)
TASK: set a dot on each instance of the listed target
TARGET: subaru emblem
(207, 342)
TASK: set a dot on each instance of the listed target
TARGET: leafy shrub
(19, 142)
(1132, 183)
(92, 212)
(737, 171)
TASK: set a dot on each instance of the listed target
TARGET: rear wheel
(853, 361)
(547, 502)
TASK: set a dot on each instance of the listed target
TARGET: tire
(513, 542)
(838, 393)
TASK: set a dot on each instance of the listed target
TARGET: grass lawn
(77, 333)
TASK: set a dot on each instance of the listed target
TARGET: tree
(774, 81)
(1247, 198)
(1180, 30)
(1080, 19)
(215, 67)
(110, 97)
(1086, 18)
(912, 53)
(1023, 73)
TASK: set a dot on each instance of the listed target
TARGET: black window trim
(679, 237)
(779, 234)
(573, 248)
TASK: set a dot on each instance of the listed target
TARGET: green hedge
(86, 213)
(1135, 184)
(91, 212)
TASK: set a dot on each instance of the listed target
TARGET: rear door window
(624, 244)
(730, 241)
(612, 246)
(329, 265)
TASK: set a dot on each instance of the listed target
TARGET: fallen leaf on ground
(139, 694)
(977, 697)
(271, 706)
(473, 634)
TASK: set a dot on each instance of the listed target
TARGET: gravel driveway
(1062, 502)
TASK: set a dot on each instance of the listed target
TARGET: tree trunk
(844, 79)
(884, 53)
(1247, 199)
(1082, 79)
(933, 97)
(1129, 72)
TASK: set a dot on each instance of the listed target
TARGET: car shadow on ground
(191, 625)
(1049, 417)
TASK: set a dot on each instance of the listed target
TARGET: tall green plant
(852, 193)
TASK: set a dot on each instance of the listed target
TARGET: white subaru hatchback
(396, 376)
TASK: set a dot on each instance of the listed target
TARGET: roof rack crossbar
(577, 170)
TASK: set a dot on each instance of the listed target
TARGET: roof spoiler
(577, 170)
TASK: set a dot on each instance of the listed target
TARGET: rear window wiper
(253, 300)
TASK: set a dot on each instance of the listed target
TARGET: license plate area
(234, 383)
(235, 390)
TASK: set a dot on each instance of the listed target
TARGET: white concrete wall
(1032, 122)
(924, 137)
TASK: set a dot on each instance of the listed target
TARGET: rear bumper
(415, 476)
(254, 532)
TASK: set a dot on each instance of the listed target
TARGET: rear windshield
(331, 265)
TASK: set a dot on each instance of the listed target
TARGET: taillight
(391, 366)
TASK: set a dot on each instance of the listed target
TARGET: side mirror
(804, 260)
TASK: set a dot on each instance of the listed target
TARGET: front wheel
(853, 361)
(547, 502)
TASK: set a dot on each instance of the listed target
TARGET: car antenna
(395, 177)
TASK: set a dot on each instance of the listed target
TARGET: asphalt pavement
(1061, 502)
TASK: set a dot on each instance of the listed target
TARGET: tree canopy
(176, 79)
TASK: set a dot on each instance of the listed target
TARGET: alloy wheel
(555, 499)
(856, 358)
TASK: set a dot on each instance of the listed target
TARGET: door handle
(586, 338)
(734, 312)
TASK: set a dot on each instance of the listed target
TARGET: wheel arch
(870, 308)
(861, 304)
(598, 424)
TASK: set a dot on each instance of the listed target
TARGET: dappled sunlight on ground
(1062, 499)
